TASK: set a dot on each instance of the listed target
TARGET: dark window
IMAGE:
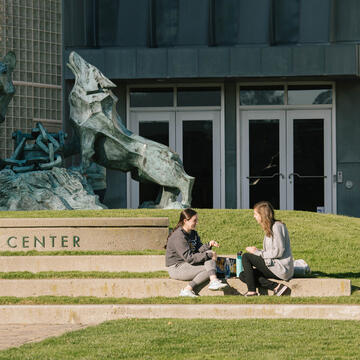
(264, 161)
(198, 96)
(151, 97)
(198, 160)
(308, 164)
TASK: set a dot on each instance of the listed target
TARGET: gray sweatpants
(198, 274)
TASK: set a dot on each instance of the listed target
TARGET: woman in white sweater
(275, 261)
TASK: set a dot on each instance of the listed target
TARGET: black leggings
(256, 273)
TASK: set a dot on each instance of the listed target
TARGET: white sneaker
(188, 293)
(217, 285)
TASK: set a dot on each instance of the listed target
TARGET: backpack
(301, 268)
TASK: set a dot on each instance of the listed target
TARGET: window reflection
(265, 95)
(296, 95)
(309, 95)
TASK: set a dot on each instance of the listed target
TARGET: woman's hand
(214, 256)
(214, 243)
(251, 249)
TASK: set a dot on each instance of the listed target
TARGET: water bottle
(227, 268)
(239, 266)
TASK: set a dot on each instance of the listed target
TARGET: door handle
(264, 177)
(307, 176)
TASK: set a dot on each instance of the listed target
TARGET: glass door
(195, 136)
(286, 159)
(158, 126)
(263, 158)
(198, 144)
(309, 160)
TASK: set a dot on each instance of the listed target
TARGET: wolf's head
(87, 76)
(7, 89)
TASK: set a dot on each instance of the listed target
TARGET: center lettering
(25, 242)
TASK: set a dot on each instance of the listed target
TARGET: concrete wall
(348, 146)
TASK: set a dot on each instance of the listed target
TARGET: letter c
(8, 241)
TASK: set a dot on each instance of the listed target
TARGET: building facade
(33, 30)
(260, 98)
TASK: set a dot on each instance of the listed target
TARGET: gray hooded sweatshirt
(186, 247)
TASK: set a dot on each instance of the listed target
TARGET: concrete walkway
(21, 324)
(20, 334)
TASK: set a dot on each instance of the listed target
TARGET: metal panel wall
(348, 146)
(346, 20)
(79, 23)
(123, 23)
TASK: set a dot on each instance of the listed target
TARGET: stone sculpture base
(56, 189)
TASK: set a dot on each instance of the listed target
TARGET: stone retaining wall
(86, 234)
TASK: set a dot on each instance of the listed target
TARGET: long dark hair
(267, 214)
(186, 214)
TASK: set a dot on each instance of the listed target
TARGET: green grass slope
(329, 243)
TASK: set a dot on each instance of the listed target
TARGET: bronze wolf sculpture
(7, 90)
(105, 139)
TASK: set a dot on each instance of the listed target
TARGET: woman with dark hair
(188, 259)
(274, 261)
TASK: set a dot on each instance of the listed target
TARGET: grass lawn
(329, 243)
(200, 339)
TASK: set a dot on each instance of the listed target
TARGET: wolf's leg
(185, 186)
(168, 196)
(87, 140)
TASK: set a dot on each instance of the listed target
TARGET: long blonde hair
(267, 215)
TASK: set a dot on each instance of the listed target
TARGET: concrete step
(142, 288)
(95, 314)
(109, 263)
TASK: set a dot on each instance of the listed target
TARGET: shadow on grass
(344, 275)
